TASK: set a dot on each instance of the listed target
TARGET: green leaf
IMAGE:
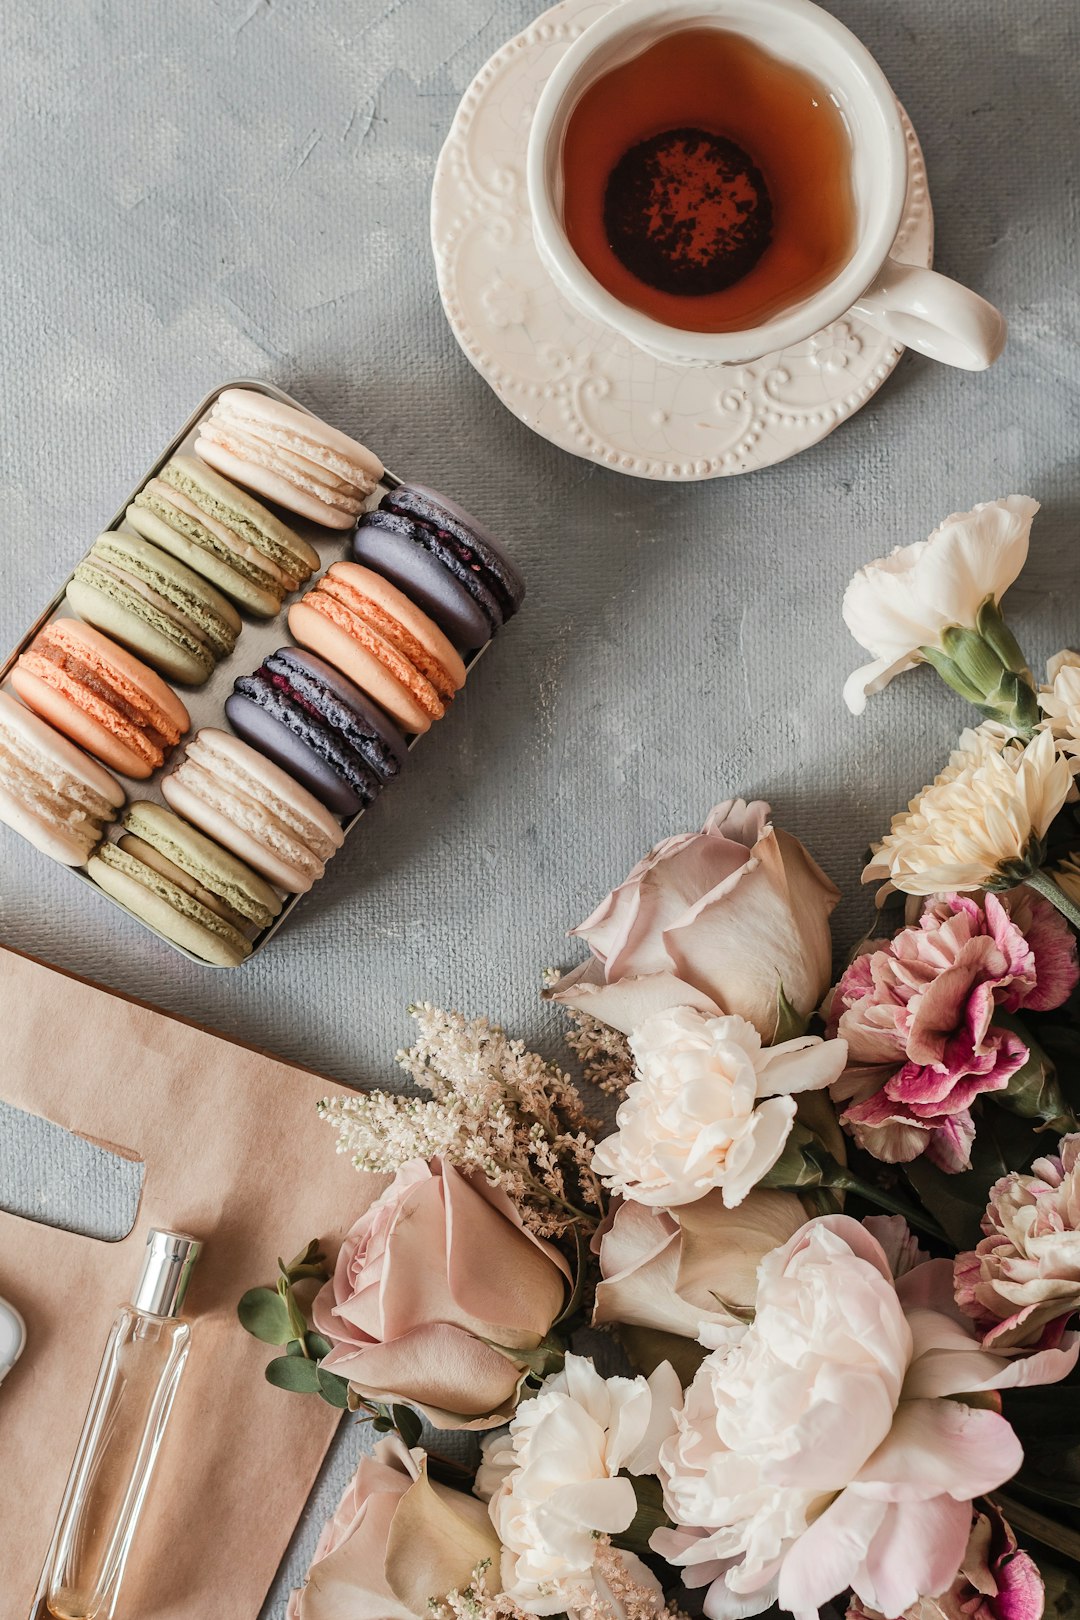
(295, 1373)
(1033, 1091)
(333, 1389)
(1003, 1142)
(648, 1517)
(789, 1021)
(318, 1346)
(1047, 1424)
(548, 1357)
(408, 1424)
(262, 1313)
(297, 1319)
(646, 1348)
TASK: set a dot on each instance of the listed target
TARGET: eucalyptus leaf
(295, 1373)
(294, 1348)
(318, 1346)
(262, 1313)
(407, 1423)
(333, 1389)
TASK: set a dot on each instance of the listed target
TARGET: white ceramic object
(911, 304)
(582, 386)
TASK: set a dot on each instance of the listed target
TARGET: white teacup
(915, 306)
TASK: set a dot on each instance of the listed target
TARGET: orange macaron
(100, 696)
(372, 633)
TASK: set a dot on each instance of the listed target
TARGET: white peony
(557, 1478)
(896, 606)
(981, 822)
(713, 1107)
(831, 1445)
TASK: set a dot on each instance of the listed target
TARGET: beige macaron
(288, 455)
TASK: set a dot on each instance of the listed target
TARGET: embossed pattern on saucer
(585, 388)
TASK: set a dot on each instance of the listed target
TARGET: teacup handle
(936, 316)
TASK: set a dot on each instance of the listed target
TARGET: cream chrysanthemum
(981, 823)
(1060, 702)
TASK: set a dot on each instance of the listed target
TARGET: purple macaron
(444, 560)
(319, 727)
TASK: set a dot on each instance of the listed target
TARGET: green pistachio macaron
(224, 534)
(140, 596)
(183, 884)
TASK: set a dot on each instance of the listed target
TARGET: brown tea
(707, 183)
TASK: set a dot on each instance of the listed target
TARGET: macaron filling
(286, 430)
(146, 731)
(350, 622)
(340, 490)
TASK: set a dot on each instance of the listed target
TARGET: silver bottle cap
(170, 1259)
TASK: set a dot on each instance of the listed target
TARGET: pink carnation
(1022, 1283)
(917, 1012)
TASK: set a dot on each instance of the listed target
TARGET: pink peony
(917, 1012)
(1022, 1282)
(435, 1274)
(996, 1581)
(716, 920)
(831, 1446)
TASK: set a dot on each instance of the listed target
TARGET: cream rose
(716, 920)
(395, 1541)
(673, 1270)
(713, 1107)
(559, 1477)
(437, 1272)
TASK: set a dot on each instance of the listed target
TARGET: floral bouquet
(796, 1331)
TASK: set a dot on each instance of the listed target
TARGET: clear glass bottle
(144, 1357)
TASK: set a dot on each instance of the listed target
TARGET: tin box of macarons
(237, 667)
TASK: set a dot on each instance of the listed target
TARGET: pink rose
(438, 1265)
(395, 1540)
(918, 1015)
(1022, 1283)
(717, 921)
(996, 1581)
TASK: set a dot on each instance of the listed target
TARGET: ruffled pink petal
(941, 1448)
(916, 1552)
(950, 1142)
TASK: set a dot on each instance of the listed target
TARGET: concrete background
(240, 187)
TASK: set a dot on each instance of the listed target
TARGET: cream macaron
(288, 455)
(253, 808)
(50, 792)
(372, 633)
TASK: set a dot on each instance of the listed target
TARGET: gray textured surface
(215, 189)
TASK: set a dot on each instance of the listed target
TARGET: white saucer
(581, 386)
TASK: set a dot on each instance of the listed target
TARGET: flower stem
(1044, 884)
(845, 1181)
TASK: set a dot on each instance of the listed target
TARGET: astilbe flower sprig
(607, 1062)
(492, 1107)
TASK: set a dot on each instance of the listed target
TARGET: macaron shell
(258, 600)
(431, 585)
(432, 503)
(314, 630)
(338, 697)
(275, 545)
(185, 662)
(265, 481)
(300, 758)
(149, 905)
